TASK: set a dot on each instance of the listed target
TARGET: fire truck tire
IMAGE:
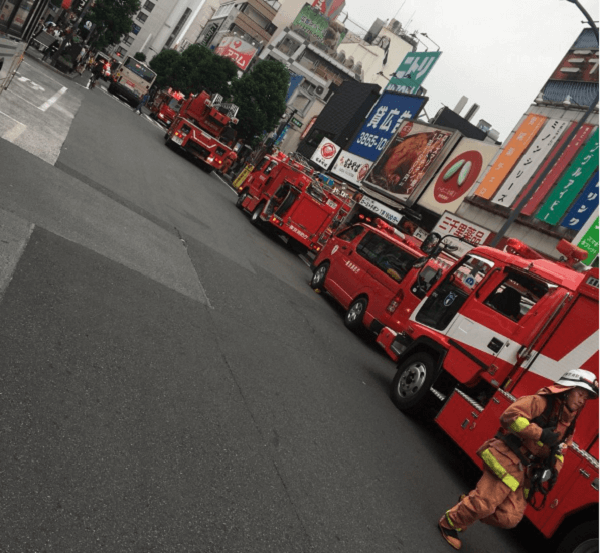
(412, 382)
(354, 316)
(241, 199)
(581, 539)
(255, 217)
(317, 282)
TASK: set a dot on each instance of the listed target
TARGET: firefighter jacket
(518, 420)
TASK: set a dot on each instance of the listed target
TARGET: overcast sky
(497, 54)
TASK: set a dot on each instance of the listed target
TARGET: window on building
(121, 52)
(141, 17)
(149, 6)
(288, 46)
(128, 40)
(178, 27)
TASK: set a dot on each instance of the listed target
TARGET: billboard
(589, 243)
(519, 142)
(382, 123)
(458, 174)
(325, 153)
(318, 29)
(530, 161)
(559, 167)
(351, 167)
(571, 182)
(411, 73)
(453, 225)
(411, 157)
(240, 51)
(329, 8)
(584, 207)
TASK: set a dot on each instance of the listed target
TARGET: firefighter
(523, 460)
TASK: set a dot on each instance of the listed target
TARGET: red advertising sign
(66, 4)
(240, 51)
(578, 65)
(556, 171)
(329, 8)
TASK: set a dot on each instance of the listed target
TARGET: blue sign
(383, 122)
(295, 80)
(136, 29)
(584, 207)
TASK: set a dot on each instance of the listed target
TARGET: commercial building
(19, 18)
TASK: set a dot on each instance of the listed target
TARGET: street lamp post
(525, 199)
(427, 37)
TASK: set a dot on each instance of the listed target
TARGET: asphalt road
(170, 382)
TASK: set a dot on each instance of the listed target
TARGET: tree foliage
(140, 56)
(113, 19)
(260, 95)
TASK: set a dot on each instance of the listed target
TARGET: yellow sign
(241, 178)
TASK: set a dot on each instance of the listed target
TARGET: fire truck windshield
(175, 104)
(451, 294)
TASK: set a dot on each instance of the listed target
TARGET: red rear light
(396, 301)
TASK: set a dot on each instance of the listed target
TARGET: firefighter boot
(448, 533)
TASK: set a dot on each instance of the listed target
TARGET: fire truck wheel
(255, 217)
(411, 385)
(354, 316)
(317, 282)
(241, 199)
(581, 539)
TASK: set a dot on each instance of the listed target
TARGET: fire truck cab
(165, 106)
(202, 129)
(500, 325)
(282, 192)
(370, 270)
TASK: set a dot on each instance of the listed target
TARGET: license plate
(177, 140)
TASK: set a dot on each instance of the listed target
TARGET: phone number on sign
(371, 140)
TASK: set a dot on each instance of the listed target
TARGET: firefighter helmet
(582, 379)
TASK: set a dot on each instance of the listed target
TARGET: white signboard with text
(325, 153)
(380, 209)
(451, 224)
(351, 167)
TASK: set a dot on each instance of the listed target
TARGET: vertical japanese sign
(456, 177)
(411, 73)
(411, 158)
(453, 225)
(383, 121)
(571, 183)
(529, 162)
(584, 207)
(520, 141)
(589, 243)
(325, 153)
(559, 167)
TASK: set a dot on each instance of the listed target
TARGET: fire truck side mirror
(420, 262)
(430, 243)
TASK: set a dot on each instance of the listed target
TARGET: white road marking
(6, 115)
(21, 99)
(53, 100)
(15, 132)
(46, 76)
(225, 182)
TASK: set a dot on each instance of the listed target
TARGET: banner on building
(318, 29)
(383, 122)
(557, 170)
(413, 70)
(351, 167)
(529, 162)
(507, 159)
(411, 158)
(584, 207)
(240, 51)
(589, 243)
(571, 183)
(295, 81)
(325, 153)
(458, 174)
(453, 225)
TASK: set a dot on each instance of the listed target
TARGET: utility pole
(525, 199)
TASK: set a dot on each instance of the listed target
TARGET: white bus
(131, 80)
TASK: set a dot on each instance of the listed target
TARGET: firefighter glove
(549, 437)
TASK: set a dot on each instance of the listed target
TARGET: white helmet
(582, 379)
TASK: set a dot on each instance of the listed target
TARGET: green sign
(411, 73)
(297, 122)
(571, 183)
(589, 243)
(316, 27)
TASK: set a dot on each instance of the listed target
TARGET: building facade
(19, 18)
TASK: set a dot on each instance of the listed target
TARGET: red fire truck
(282, 192)
(165, 106)
(372, 269)
(500, 325)
(202, 129)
